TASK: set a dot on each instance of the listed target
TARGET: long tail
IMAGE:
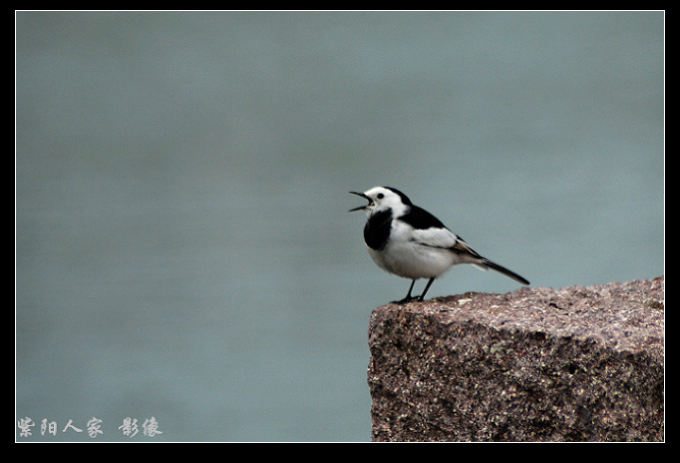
(487, 264)
(462, 249)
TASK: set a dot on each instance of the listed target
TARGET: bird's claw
(408, 299)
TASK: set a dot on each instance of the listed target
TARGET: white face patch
(383, 198)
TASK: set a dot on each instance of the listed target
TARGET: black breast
(377, 229)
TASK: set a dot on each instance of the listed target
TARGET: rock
(538, 364)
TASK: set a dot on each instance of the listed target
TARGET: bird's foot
(408, 299)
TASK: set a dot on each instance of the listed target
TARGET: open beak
(360, 208)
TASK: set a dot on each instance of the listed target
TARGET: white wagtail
(408, 241)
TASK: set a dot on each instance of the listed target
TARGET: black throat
(377, 229)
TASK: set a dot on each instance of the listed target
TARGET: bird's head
(381, 198)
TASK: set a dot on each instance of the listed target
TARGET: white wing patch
(435, 238)
(443, 238)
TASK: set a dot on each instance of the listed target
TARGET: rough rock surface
(538, 364)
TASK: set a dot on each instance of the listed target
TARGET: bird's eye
(380, 196)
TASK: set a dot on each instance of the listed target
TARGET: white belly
(412, 260)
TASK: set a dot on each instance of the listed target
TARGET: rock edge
(537, 364)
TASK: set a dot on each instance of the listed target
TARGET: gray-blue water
(183, 247)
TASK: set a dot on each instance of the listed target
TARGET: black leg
(422, 296)
(408, 297)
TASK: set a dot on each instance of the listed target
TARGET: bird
(407, 241)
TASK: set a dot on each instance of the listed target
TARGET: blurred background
(183, 247)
